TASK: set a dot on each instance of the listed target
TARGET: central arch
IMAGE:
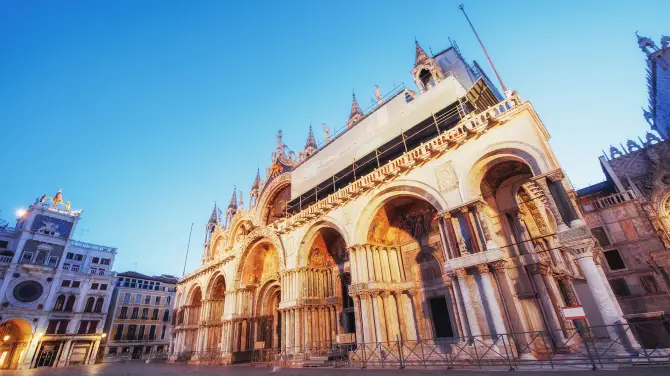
(261, 234)
(398, 188)
(15, 335)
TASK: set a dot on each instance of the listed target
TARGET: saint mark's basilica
(440, 212)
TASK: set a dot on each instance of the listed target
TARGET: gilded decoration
(401, 221)
(261, 263)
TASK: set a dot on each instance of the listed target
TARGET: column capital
(499, 265)
(448, 281)
(539, 269)
(464, 209)
(482, 268)
(445, 215)
(460, 273)
(556, 176)
(581, 249)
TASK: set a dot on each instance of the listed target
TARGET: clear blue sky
(146, 112)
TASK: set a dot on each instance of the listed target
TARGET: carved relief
(446, 176)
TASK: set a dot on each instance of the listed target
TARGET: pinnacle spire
(257, 181)
(420, 54)
(355, 108)
(311, 141)
(233, 200)
(214, 218)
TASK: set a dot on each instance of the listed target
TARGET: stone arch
(243, 222)
(498, 153)
(24, 327)
(258, 234)
(312, 233)
(268, 195)
(394, 190)
(212, 281)
(265, 293)
(192, 290)
(215, 245)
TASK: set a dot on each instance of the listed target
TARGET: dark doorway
(47, 354)
(441, 320)
(137, 352)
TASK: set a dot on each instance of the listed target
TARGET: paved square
(162, 369)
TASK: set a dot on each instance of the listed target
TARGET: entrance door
(137, 352)
(47, 355)
(78, 355)
(441, 320)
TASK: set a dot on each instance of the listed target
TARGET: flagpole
(462, 8)
(187, 248)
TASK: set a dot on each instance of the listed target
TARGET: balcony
(607, 201)
(94, 247)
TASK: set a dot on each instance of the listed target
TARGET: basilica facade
(440, 212)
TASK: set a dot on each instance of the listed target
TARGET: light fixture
(6, 338)
(103, 335)
(20, 212)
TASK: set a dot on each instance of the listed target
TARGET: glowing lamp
(6, 338)
(103, 335)
(20, 212)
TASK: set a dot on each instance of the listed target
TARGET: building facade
(658, 82)
(441, 213)
(140, 317)
(629, 212)
(54, 291)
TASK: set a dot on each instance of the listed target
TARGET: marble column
(468, 306)
(484, 224)
(358, 318)
(472, 230)
(380, 317)
(547, 305)
(456, 307)
(560, 223)
(491, 300)
(608, 307)
(308, 325)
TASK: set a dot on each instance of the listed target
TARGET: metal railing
(597, 347)
(608, 201)
(92, 246)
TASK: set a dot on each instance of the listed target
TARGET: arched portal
(216, 292)
(267, 321)
(519, 215)
(15, 335)
(326, 283)
(406, 245)
(261, 263)
(192, 318)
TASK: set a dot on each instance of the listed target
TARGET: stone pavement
(162, 369)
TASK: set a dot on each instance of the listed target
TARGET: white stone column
(468, 306)
(490, 244)
(491, 300)
(366, 320)
(560, 223)
(609, 308)
(380, 317)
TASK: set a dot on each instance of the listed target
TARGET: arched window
(69, 305)
(166, 315)
(60, 303)
(426, 78)
(89, 304)
(98, 305)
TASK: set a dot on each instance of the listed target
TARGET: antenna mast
(187, 248)
(462, 8)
